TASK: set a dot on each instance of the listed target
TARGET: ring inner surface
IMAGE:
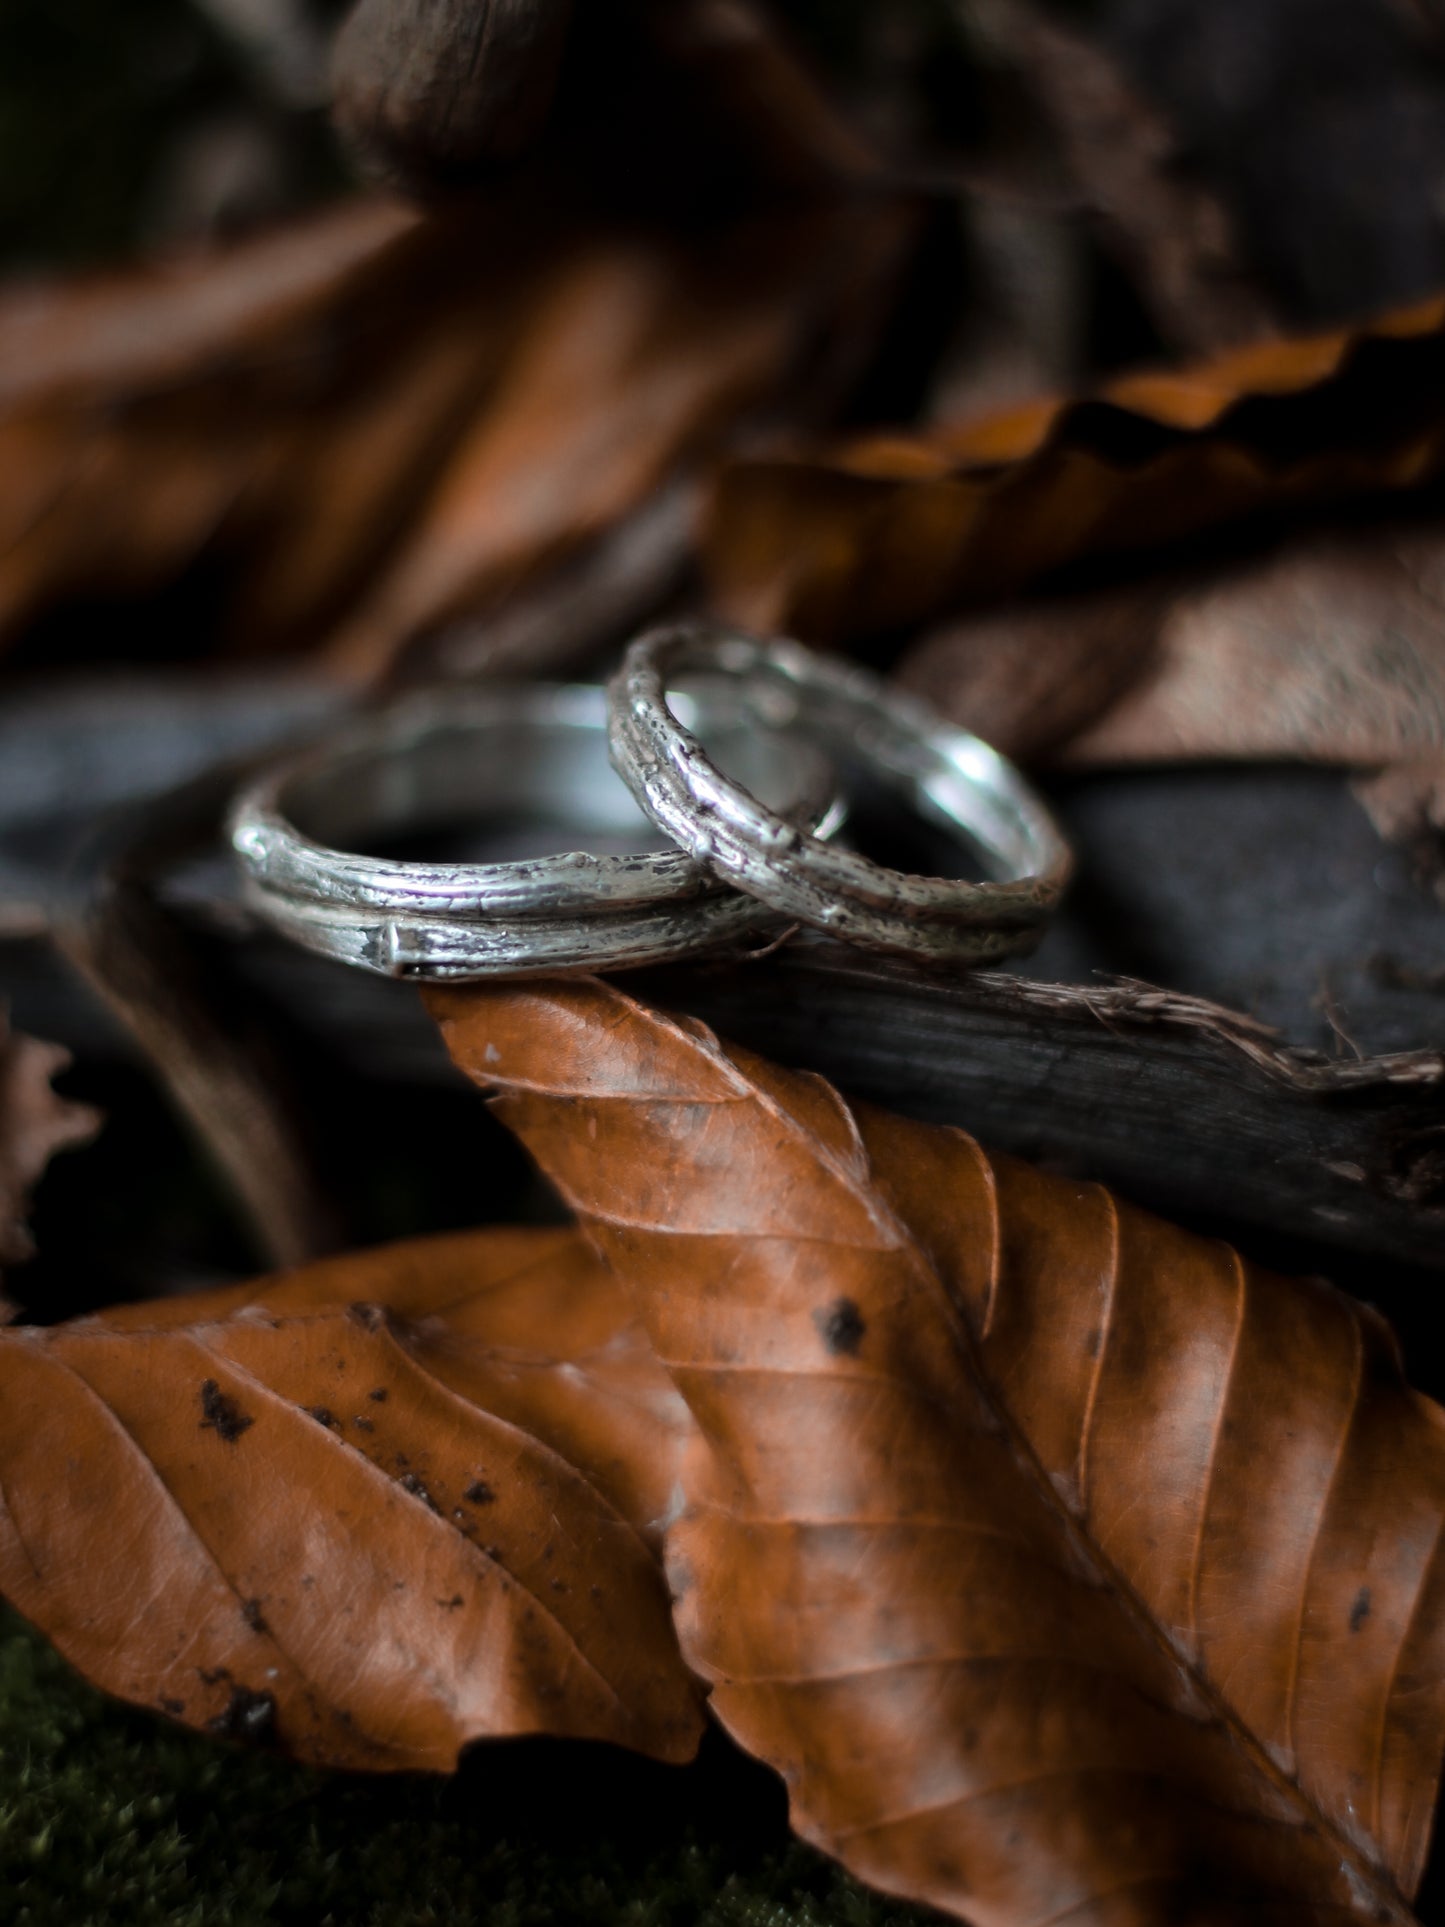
(933, 803)
(495, 787)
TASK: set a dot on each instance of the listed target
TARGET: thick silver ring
(951, 778)
(531, 751)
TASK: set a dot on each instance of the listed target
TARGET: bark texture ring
(529, 754)
(951, 778)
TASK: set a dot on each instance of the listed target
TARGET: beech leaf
(35, 1123)
(1066, 1566)
(864, 537)
(367, 1511)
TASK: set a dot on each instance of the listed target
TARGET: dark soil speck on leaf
(221, 1414)
(479, 1493)
(841, 1327)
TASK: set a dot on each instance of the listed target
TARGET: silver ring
(951, 778)
(523, 752)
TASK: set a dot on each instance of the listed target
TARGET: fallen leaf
(1035, 677)
(373, 424)
(1327, 650)
(1331, 651)
(1066, 1566)
(634, 357)
(35, 1123)
(366, 1511)
(860, 540)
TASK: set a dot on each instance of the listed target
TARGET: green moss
(110, 1818)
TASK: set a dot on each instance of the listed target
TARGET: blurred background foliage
(122, 127)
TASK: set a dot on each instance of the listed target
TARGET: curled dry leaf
(35, 1123)
(366, 1511)
(842, 543)
(1065, 1565)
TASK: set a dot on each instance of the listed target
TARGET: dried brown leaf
(1329, 650)
(35, 1123)
(368, 426)
(1065, 1565)
(367, 1511)
(635, 357)
(868, 537)
(1034, 677)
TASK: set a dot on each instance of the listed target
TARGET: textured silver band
(528, 753)
(951, 778)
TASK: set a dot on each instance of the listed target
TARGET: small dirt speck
(363, 1424)
(594, 1592)
(841, 1327)
(450, 1605)
(323, 1415)
(558, 1585)
(247, 1715)
(409, 1482)
(221, 1414)
(213, 1675)
(253, 1616)
(479, 1493)
(378, 1392)
(174, 1707)
(369, 1316)
(1360, 1611)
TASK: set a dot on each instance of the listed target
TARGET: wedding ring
(949, 777)
(519, 756)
